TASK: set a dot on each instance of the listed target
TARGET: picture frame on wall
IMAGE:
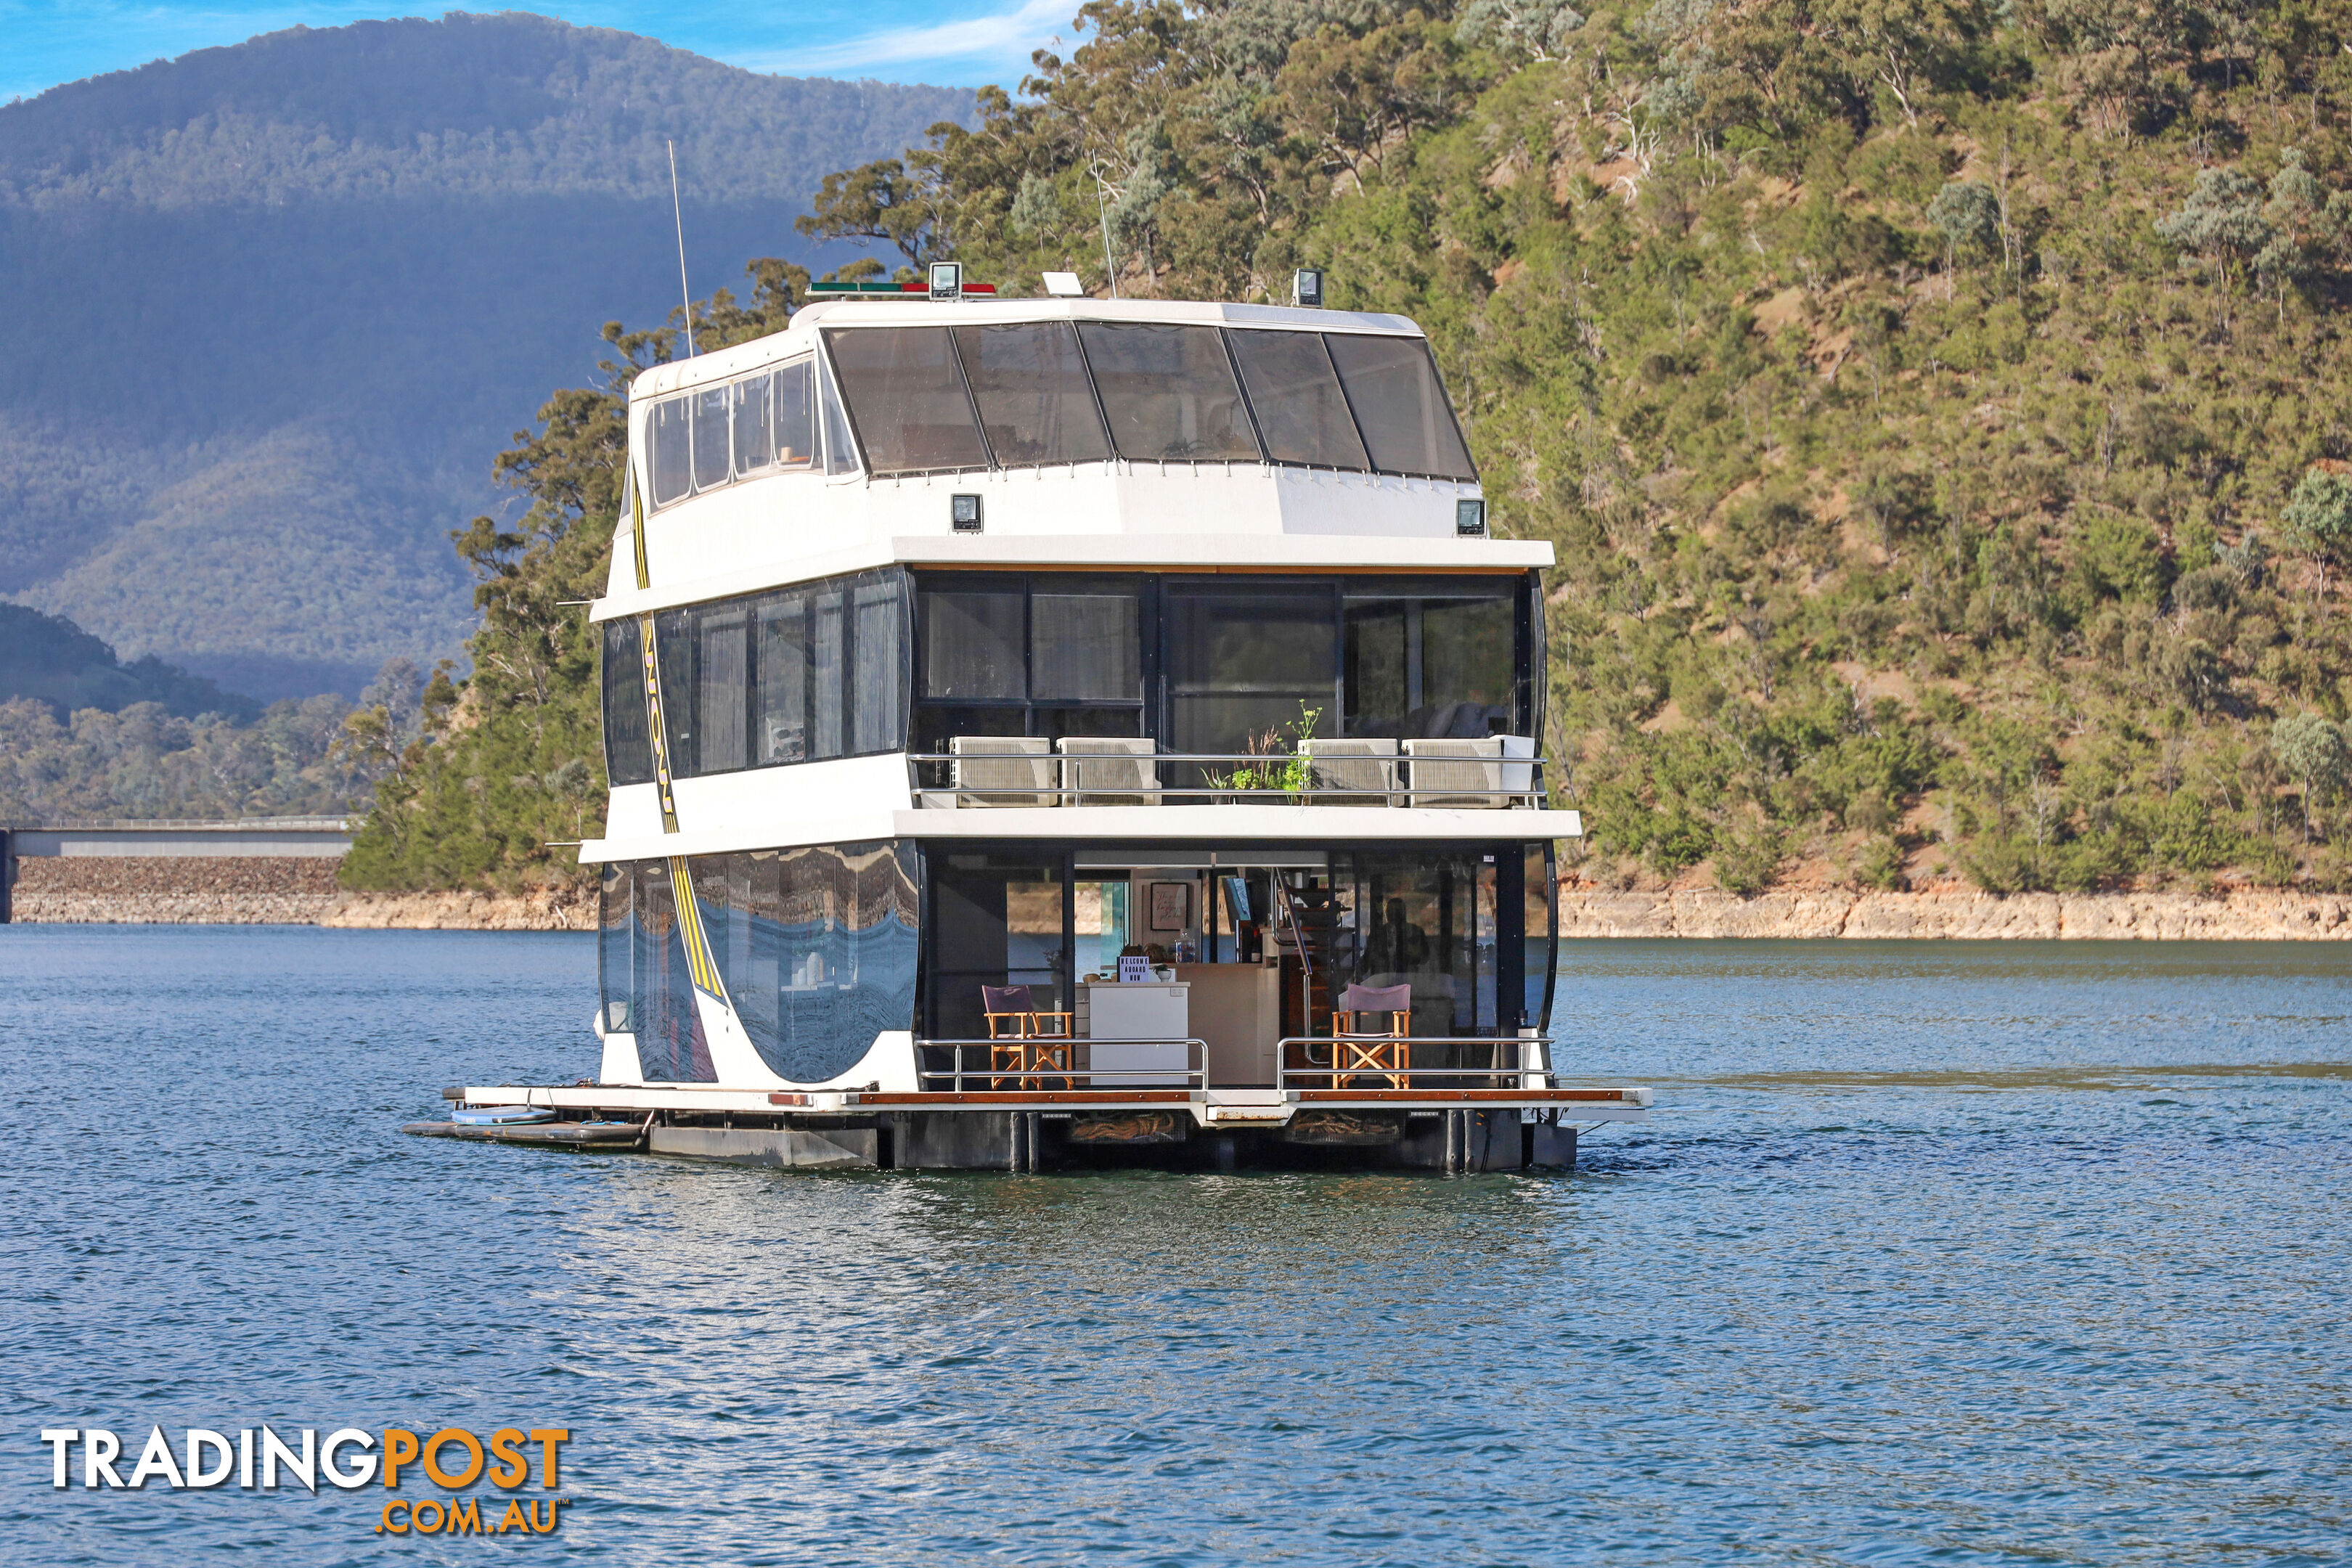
(1171, 906)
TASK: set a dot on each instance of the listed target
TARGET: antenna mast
(1110, 273)
(684, 293)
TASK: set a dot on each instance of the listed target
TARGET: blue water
(1949, 1254)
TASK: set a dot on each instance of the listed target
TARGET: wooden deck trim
(1010, 1097)
(1463, 1096)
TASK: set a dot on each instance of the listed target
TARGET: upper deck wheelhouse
(1137, 434)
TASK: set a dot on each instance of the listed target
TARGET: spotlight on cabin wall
(963, 513)
(1064, 285)
(1470, 518)
(1306, 287)
(947, 279)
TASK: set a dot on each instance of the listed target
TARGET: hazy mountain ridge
(230, 271)
(468, 105)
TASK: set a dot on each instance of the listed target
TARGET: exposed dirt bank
(261, 890)
(1961, 916)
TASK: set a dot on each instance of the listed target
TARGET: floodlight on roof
(1064, 285)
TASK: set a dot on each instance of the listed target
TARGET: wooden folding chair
(1020, 1043)
(1360, 1049)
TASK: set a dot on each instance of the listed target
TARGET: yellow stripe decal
(700, 967)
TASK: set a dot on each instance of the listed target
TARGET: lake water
(1956, 1254)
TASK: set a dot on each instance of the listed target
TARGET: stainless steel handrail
(1079, 1074)
(1514, 1073)
(1227, 793)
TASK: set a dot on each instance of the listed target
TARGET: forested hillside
(1939, 409)
(270, 307)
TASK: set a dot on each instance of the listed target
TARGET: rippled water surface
(1938, 1253)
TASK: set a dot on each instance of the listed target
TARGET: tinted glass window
(780, 698)
(878, 706)
(722, 688)
(1031, 387)
(827, 634)
(997, 921)
(801, 675)
(629, 749)
(1296, 398)
(674, 639)
(1431, 660)
(907, 398)
(1392, 386)
(1243, 662)
(615, 947)
(710, 437)
(1169, 392)
(672, 458)
(973, 645)
(1083, 645)
(755, 447)
(793, 394)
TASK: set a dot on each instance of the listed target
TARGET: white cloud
(995, 40)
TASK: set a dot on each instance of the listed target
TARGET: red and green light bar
(944, 281)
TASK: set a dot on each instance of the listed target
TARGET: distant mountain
(49, 659)
(272, 309)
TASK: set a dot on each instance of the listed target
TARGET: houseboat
(1060, 731)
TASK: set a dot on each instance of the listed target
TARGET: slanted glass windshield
(710, 437)
(1296, 399)
(672, 459)
(1401, 408)
(1169, 392)
(908, 399)
(1031, 387)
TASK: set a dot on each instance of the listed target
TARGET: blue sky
(46, 42)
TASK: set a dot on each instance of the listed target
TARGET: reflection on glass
(779, 723)
(1425, 920)
(1429, 660)
(1031, 390)
(908, 399)
(671, 1048)
(1296, 399)
(816, 949)
(673, 450)
(827, 615)
(1399, 405)
(628, 746)
(1169, 392)
(616, 938)
(1243, 662)
(878, 686)
(997, 920)
(721, 690)
(840, 453)
(710, 463)
(755, 447)
(795, 402)
(971, 645)
(1083, 645)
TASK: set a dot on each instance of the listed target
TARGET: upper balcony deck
(1127, 434)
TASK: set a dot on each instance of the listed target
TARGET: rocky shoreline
(301, 890)
(1959, 916)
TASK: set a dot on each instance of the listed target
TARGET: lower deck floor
(1452, 1140)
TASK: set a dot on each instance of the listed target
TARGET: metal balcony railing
(1056, 1062)
(1412, 1061)
(1025, 771)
